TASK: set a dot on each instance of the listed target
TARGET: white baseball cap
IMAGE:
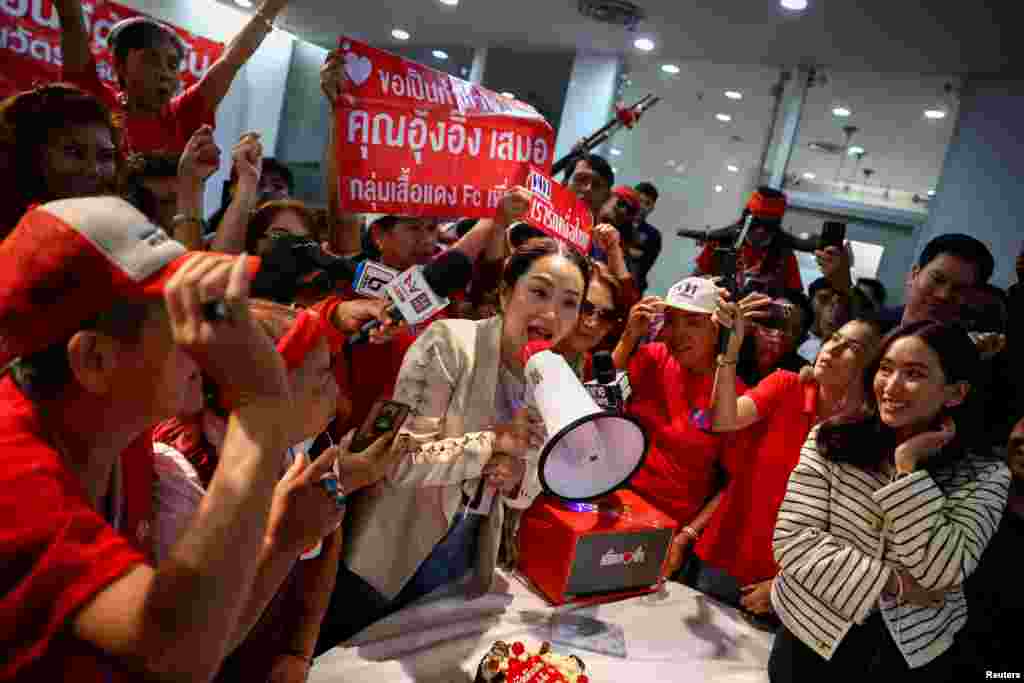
(693, 294)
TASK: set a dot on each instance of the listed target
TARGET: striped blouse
(841, 529)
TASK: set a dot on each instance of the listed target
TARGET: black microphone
(449, 272)
(610, 388)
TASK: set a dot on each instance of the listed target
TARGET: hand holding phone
(384, 417)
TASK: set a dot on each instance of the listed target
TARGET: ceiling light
(855, 150)
(615, 152)
(645, 44)
(670, 162)
(734, 94)
(841, 112)
(719, 188)
(934, 114)
(931, 193)
(809, 176)
(614, 170)
(400, 34)
(724, 118)
(243, 3)
(439, 54)
(510, 95)
(794, 5)
(450, 3)
(733, 168)
(670, 68)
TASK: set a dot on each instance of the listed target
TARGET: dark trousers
(868, 650)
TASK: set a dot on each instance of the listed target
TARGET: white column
(589, 99)
(476, 72)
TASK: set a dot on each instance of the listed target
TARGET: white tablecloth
(675, 635)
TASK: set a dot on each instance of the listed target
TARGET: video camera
(292, 264)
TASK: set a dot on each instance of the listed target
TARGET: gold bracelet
(722, 361)
(691, 532)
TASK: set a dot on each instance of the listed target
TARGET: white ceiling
(918, 36)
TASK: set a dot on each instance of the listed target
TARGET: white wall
(979, 193)
(256, 98)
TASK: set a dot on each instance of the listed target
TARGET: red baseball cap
(629, 194)
(68, 261)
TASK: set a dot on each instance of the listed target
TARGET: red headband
(303, 336)
(766, 207)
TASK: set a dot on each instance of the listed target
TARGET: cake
(514, 664)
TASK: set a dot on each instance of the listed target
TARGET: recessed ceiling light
(794, 5)
(400, 34)
(439, 54)
(615, 151)
(809, 176)
(510, 95)
(450, 3)
(841, 112)
(733, 168)
(614, 169)
(855, 150)
(734, 94)
(934, 114)
(931, 193)
(670, 162)
(719, 188)
(670, 68)
(243, 3)
(724, 118)
(645, 44)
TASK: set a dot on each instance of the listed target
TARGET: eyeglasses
(605, 315)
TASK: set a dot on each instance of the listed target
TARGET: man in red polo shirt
(147, 57)
(734, 557)
(101, 329)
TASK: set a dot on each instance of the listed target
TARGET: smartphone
(833, 234)
(385, 416)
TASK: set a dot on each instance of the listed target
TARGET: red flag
(414, 141)
(557, 211)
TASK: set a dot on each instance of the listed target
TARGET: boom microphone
(421, 291)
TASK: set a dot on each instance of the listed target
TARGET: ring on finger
(333, 488)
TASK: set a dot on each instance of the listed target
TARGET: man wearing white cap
(103, 321)
(672, 383)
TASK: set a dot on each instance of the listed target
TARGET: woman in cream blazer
(467, 429)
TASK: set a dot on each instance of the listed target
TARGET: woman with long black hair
(884, 517)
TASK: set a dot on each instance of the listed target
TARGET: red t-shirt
(679, 473)
(789, 270)
(167, 132)
(56, 553)
(738, 537)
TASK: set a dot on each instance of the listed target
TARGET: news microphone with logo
(610, 387)
(371, 278)
(420, 292)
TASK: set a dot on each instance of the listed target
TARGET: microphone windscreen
(449, 272)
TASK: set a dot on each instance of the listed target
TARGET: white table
(675, 635)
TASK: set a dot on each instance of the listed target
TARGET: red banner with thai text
(30, 43)
(414, 141)
(558, 211)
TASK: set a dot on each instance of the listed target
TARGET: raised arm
(938, 533)
(74, 38)
(199, 160)
(177, 621)
(346, 234)
(218, 79)
(729, 412)
(637, 325)
(247, 157)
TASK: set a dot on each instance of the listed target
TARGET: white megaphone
(590, 452)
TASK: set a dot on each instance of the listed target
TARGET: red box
(617, 551)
